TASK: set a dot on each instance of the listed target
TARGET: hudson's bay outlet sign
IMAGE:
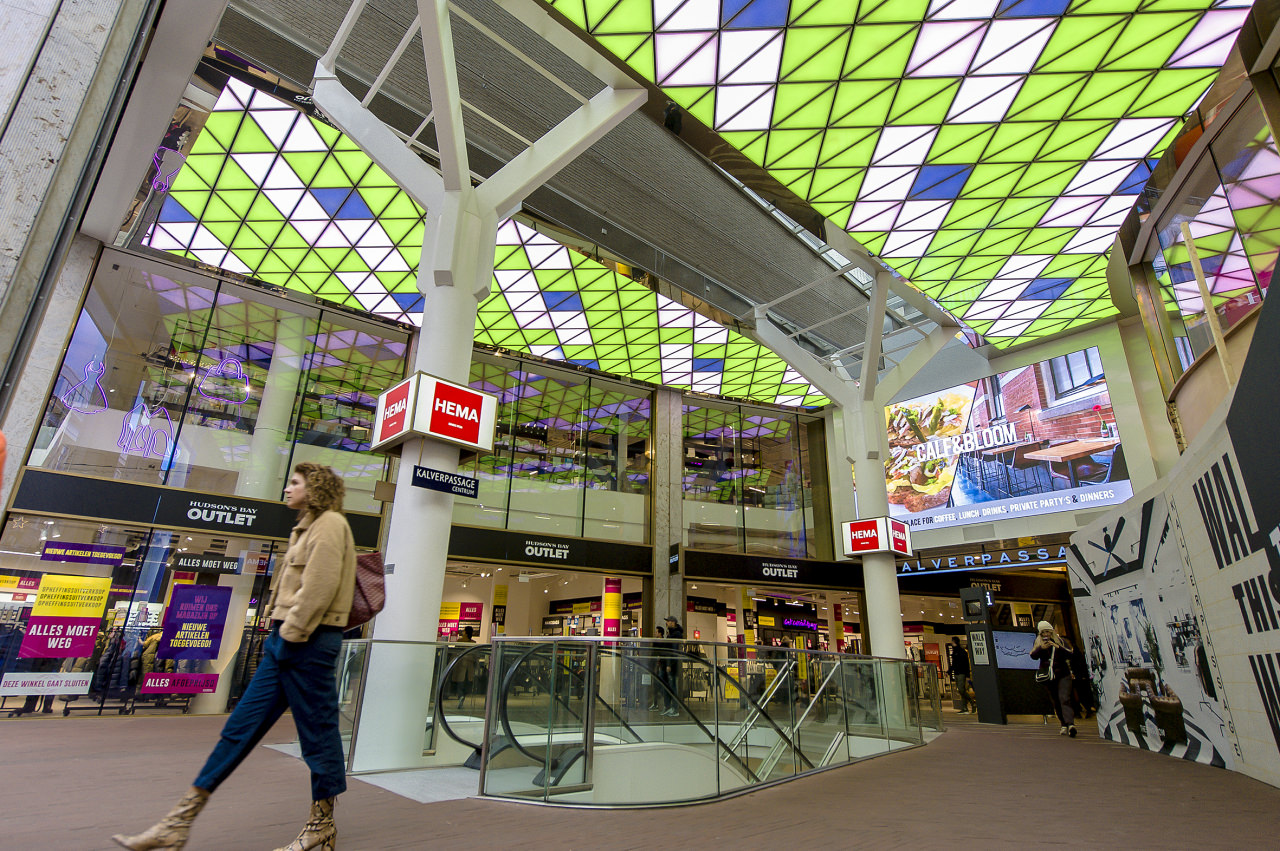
(551, 550)
(136, 504)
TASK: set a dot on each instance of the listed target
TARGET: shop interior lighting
(986, 151)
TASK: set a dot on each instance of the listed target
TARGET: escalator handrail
(504, 718)
(760, 710)
(675, 694)
(443, 679)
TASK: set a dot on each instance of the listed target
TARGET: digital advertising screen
(1033, 440)
(1013, 649)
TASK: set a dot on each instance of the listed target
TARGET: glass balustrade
(625, 722)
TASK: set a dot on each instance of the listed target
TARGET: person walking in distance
(309, 604)
(1054, 673)
(960, 672)
(660, 674)
(675, 633)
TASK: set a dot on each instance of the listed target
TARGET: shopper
(463, 674)
(310, 600)
(960, 673)
(1054, 654)
(675, 633)
(660, 669)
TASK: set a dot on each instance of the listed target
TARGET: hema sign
(426, 406)
(875, 535)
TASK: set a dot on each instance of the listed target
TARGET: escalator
(578, 722)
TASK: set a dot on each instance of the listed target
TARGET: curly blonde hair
(324, 487)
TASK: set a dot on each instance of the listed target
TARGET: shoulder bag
(1046, 676)
(370, 592)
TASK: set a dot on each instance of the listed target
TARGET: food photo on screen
(1032, 440)
(915, 480)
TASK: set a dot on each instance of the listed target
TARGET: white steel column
(454, 276)
(859, 427)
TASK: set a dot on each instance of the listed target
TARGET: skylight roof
(987, 150)
(267, 191)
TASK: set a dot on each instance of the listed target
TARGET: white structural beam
(442, 81)
(376, 139)
(845, 244)
(889, 386)
(454, 275)
(505, 190)
(875, 333)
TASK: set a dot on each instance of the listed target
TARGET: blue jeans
(300, 677)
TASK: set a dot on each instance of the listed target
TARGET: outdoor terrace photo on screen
(1033, 440)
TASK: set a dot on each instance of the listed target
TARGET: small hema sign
(431, 407)
(875, 535)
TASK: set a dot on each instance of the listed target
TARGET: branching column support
(454, 276)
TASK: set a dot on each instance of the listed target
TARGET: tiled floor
(70, 783)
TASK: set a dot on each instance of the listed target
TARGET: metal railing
(630, 722)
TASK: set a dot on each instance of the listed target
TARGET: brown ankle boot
(319, 833)
(170, 833)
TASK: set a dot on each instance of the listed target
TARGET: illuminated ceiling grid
(268, 192)
(988, 150)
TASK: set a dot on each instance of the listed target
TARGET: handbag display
(370, 591)
(1046, 675)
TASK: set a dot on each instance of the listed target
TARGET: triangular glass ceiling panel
(905, 75)
(308, 213)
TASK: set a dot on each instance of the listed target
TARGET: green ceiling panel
(342, 230)
(1002, 100)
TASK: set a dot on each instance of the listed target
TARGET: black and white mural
(1178, 590)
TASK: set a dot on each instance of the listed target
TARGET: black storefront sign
(439, 480)
(736, 567)
(68, 495)
(207, 563)
(1008, 586)
(549, 550)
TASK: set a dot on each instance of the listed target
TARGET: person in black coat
(1054, 655)
(675, 633)
(960, 671)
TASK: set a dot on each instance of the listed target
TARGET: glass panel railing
(617, 722)
(408, 705)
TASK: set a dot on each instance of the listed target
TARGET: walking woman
(310, 600)
(1054, 655)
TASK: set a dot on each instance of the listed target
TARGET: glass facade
(746, 483)
(1230, 205)
(172, 378)
(216, 390)
(571, 455)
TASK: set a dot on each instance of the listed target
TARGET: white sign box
(425, 406)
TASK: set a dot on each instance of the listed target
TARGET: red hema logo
(455, 413)
(395, 412)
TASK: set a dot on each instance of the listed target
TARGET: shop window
(116, 648)
(747, 482)
(175, 378)
(570, 456)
